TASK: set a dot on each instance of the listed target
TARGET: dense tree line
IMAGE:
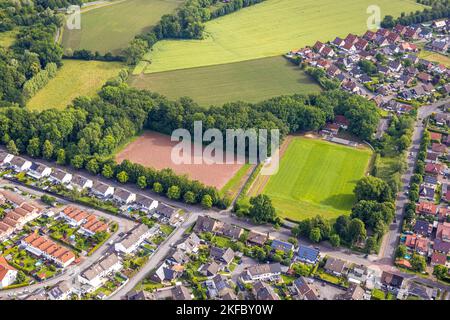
(38, 81)
(439, 9)
(321, 77)
(88, 55)
(32, 51)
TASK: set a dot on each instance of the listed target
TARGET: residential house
(134, 238)
(102, 190)
(123, 196)
(231, 231)
(418, 244)
(256, 238)
(60, 176)
(19, 164)
(354, 292)
(304, 290)
(308, 254)
(370, 36)
(433, 168)
(264, 272)
(41, 246)
(166, 273)
(191, 244)
(206, 224)
(335, 266)
(210, 269)
(318, 47)
(426, 208)
(263, 291)
(279, 245)
(81, 183)
(5, 158)
(439, 148)
(358, 274)
(180, 292)
(61, 291)
(39, 171)
(217, 287)
(423, 228)
(8, 273)
(224, 256)
(95, 275)
(438, 258)
(145, 203)
(426, 193)
(391, 281)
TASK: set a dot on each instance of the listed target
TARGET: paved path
(158, 257)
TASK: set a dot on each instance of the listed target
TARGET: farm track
(261, 181)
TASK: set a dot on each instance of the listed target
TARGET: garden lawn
(316, 177)
(268, 29)
(75, 78)
(250, 81)
(111, 28)
(435, 57)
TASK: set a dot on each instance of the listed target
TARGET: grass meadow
(112, 27)
(268, 29)
(250, 81)
(75, 78)
(316, 177)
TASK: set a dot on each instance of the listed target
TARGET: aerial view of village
(98, 203)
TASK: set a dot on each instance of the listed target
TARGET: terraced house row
(15, 218)
(41, 246)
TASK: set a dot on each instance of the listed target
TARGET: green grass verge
(270, 28)
(233, 185)
(110, 28)
(316, 177)
(74, 78)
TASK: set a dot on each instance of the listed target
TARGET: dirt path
(261, 181)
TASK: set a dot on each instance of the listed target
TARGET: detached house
(264, 272)
(334, 266)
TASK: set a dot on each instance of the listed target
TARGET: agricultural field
(251, 81)
(110, 28)
(153, 149)
(75, 78)
(268, 29)
(316, 177)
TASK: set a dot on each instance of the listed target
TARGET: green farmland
(268, 29)
(316, 177)
(251, 81)
(75, 78)
(112, 27)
